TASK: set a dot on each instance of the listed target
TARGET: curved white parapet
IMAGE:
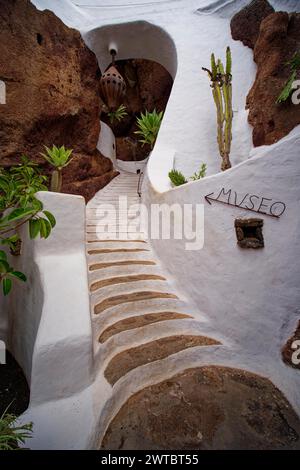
(50, 313)
(107, 142)
(132, 167)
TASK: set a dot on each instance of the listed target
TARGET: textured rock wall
(275, 37)
(52, 83)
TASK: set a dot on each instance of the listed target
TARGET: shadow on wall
(139, 39)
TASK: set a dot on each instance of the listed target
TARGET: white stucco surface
(249, 298)
(107, 143)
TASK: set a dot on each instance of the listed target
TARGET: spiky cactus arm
(222, 93)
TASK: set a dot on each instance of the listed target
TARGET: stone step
(124, 279)
(126, 289)
(138, 321)
(156, 350)
(131, 297)
(124, 270)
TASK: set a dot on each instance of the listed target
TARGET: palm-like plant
(149, 124)
(59, 157)
(11, 435)
(118, 114)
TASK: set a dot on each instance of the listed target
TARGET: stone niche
(249, 233)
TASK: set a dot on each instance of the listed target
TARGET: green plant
(59, 157)
(294, 64)
(11, 435)
(149, 124)
(118, 114)
(201, 173)
(222, 93)
(177, 178)
(19, 206)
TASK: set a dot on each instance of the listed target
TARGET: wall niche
(249, 233)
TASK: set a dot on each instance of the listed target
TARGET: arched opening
(148, 87)
(147, 60)
(136, 39)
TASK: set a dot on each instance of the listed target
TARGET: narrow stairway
(129, 290)
(156, 392)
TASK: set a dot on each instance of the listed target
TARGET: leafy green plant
(149, 124)
(118, 114)
(59, 157)
(200, 174)
(222, 93)
(286, 92)
(12, 435)
(19, 206)
(177, 178)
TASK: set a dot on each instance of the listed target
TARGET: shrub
(19, 206)
(201, 173)
(117, 115)
(177, 178)
(149, 124)
(294, 64)
(11, 435)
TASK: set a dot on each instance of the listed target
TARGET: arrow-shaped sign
(208, 199)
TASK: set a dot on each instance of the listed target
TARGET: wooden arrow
(209, 199)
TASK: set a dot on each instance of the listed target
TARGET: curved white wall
(250, 296)
(50, 314)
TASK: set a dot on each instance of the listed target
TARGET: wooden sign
(250, 202)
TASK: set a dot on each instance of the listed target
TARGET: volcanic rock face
(277, 42)
(52, 82)
(148, 87)
(246, 23)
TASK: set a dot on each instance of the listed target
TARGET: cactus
(222, 93)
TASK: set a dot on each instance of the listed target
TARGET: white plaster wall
(49, 314)
(107, 142)
(252, 297)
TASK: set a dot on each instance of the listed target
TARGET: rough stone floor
(140, 321)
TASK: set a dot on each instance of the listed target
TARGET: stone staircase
(147, 343)
(137, 315)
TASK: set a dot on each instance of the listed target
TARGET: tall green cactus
(222, 93)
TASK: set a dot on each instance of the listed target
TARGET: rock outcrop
(246, 23)
(278, 40)
(52, 95)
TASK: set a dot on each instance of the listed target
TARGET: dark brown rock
(278, 40)
(246, 23)
(204, 408)
(129, 149)
(288, 351)
(52, 82)
(275, 45)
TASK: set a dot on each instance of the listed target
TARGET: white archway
(137, 39)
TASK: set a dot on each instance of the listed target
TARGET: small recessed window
(249, 233)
